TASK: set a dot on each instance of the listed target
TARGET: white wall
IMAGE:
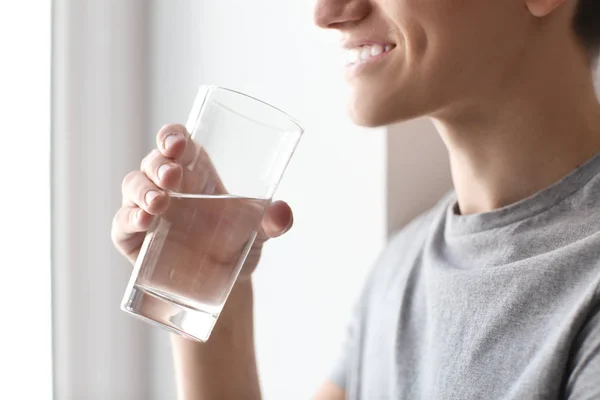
(418, 171)
(307, 281)
(98, 114)
(25, 327)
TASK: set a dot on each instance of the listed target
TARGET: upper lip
(358, 42)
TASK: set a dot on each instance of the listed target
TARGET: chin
(367, 119)
(374, 112)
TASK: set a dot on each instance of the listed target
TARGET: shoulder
(402, 253)
(414, 235)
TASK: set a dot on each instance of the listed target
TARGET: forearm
(224, 367)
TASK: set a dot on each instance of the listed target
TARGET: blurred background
(84, 86)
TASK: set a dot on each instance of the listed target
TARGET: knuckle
(129, 178)
(147, 161)
(132, 216)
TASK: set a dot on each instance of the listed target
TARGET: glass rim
(271, 106)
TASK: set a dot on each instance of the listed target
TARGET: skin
(515, 107)
(225, 367)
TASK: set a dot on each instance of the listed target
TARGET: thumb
(278, 219)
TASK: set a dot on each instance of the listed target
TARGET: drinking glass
(238, 150)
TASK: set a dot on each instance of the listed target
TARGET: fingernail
(171, 140)
(150, 196)
(162, 170)
(138, 215)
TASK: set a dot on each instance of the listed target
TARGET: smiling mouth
(367, 52)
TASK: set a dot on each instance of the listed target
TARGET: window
(25, 323)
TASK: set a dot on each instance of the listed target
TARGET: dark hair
(587, 25)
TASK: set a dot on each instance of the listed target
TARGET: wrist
(238, 309)
(236, 317)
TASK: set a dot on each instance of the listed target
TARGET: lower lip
(355, 69)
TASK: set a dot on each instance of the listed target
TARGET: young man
(495, 293)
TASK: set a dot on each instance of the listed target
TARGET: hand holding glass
(238, 150)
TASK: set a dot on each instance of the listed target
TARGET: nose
(334, 14)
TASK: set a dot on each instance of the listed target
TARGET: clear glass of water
(191, 256)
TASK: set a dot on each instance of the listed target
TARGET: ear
(541, 8)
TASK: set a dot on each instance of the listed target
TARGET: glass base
(167, 314)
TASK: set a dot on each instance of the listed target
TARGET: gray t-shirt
(499, 305)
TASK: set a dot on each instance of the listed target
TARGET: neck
(523, 138)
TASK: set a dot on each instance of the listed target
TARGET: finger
(139, 190)
(129, 221)
(175, 142)
(171, 140)
(164, 172)
(278, 219)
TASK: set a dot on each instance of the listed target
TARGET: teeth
(363, 53)
(376, 50)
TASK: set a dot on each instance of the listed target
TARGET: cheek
(439, 31)
(450, 46)
(413, 20)
(414, 40)
(445, 50)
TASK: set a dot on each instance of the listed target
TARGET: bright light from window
(25, 322)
